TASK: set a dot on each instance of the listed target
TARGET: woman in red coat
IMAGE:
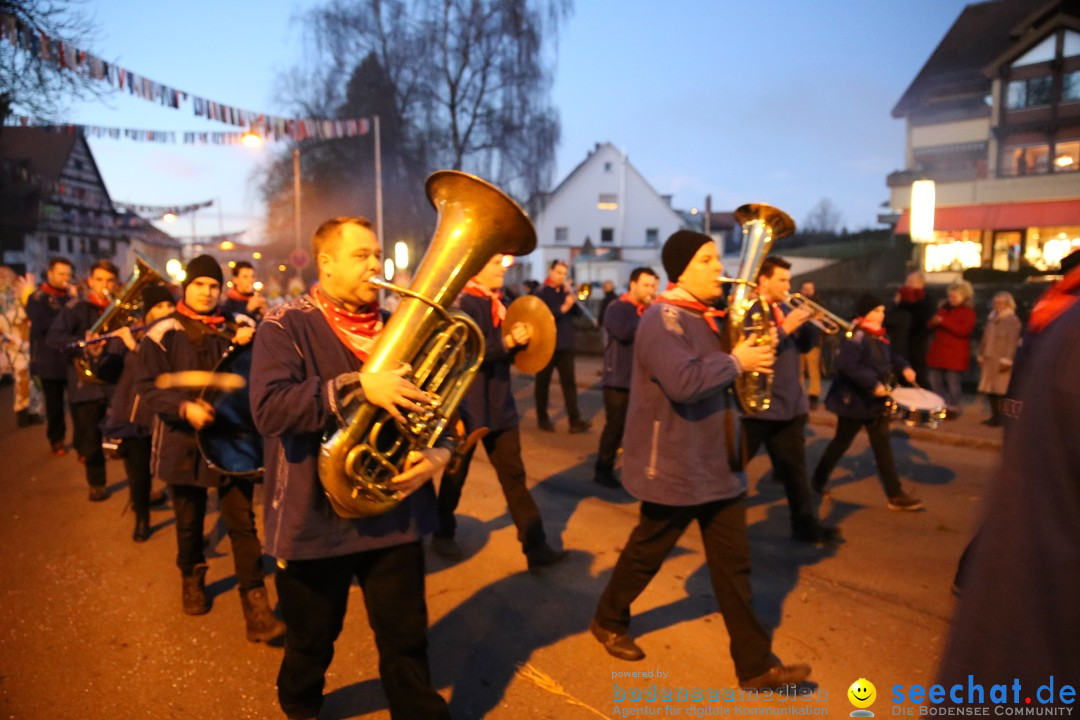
(950, 350)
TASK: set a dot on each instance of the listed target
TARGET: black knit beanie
(156, 293)
(203, 266)
(866, 303)
(679, 250)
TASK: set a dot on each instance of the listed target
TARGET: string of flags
(310, 129)
(70, 58)
(159, 210)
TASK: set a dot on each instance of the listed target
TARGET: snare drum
(916, 407)
(231, 444)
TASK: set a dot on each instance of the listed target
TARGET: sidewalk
(965, 431)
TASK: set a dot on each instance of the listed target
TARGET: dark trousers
(87, 417)
(785, 441)
(615, 402)
(313, 595)
(136, 452)
(846, 430)
(189, 504)
(504, 452)
(563, 360)
(727, 552)
(56, 428)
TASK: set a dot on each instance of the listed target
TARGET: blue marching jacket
(489, 401)
(863, 362)
(621, 323)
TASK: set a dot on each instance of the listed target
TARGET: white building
(603, 219)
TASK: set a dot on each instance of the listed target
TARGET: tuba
(443, 347)
(121, 311)
(761, 225)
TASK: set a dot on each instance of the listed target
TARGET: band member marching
(677, 464)
(191, 338)
(304, 375)
(489, 403)
(620, 320)
(560, 298)
(48, 364)
(241, 299)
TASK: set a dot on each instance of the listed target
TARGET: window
(1043, 52)
(1026, 160)
(608, 201)
(652, 237)
(607, 235)
(1067, 156)
(1032, 92)
(1072, 44)
(70, 246)
(94, 249)
(112, 247)
(1070, 87)
(54, 244)
(607, 167)
(562, 234)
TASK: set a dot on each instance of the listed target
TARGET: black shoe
(543, 556)
(617, 644)
(98, 493)
(36, 419)
(22, 418)
(446, 547)
(607, 479)
(158, 498)
(194, 591)
(545, 425)
(777, 677)
(580, 426)
(821, 535)
(142, 530)
(992, 422)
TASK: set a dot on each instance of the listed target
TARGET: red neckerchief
(909, 294)
(547, 281)
(97, 300)
(498, 310)
(709, 313)
(777, 313)
(355, 330)
(1055, 301)
(627, 297)
(211, 320)
(54, 291)
(234, 294)
(877, 331)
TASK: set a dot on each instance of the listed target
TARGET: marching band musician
(560, 298)
(48, 364)
(88, 398)
(865, 367)
(620, 319)
(677, 464)
(191, 338)
(489, 402)
(240, 299)
(782, 427)
(304, 374)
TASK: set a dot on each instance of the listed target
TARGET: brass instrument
(828, 322)
(444, 348)
(761, 225)
(121, 311)
(583, 294)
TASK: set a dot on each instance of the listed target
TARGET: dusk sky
(778, 101)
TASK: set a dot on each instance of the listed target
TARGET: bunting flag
(303, 130)
(69, 58)
(159, 210)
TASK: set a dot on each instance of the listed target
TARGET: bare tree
(824, 218)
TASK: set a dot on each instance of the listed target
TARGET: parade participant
(47, 364)
(489, 403)
(866, 367)
(677, 464)
(129, 420)
(561, 299)
(1000, 338)
(1022, 573)
(241, 299)
(15, 346)
(950, 350)
(810, 359)
(620, 321)
(304, 372)
(191, 338)
(609, 297)
(782, 427)
(89, 397)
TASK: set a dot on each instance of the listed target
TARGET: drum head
(231, 444)
(918, 399)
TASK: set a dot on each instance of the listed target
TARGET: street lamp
(922, 211)
(401, 255)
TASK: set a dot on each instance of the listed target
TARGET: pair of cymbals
(532, 311)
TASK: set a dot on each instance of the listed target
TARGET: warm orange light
(169, 217)
(232, 264)
(251, 139)
(507, 261)
(281, 268)
(256, 256)
(227, 245)
(1064, 161)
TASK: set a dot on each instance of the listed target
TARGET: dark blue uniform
(620, 320)
(46, 363)
(562, 360)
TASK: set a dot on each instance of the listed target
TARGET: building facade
(993, 118)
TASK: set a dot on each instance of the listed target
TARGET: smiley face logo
(862, 693)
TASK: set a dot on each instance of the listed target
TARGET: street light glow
(281, 268)
(922, 211)
(251, 139)
(256, 256)
(227, 245)
(169, 217)
(388, 269)
(174, 268)
(401, 255)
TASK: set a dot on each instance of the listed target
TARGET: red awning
(1000, 216)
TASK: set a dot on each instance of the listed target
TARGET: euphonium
(444, 348)
(121, 310)
(761, 225)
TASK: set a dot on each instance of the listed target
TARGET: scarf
(547, 281)
(875, 329)
(212, 320)
(97, 300)
(1055, 301)
(641, 307)
(498, 310)
(234, 294)
(909, 294)
(55, 292)
(681, 298)
(355, 330)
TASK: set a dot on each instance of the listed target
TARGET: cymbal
(199, 379)
(532, 311)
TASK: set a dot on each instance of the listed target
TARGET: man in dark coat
(906, 324)
(191, 338)
(677, 464)
(48, 364)
(89, 394)
(241, 299)
(489, 403)
(561, 299)
(620, 321)
(305, 383)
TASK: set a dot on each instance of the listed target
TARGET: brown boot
(195, 591)
(262, 626)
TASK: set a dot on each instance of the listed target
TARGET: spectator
(950, 350)
(996, 352)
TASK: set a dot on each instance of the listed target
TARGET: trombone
(580, 297)
(828, 322)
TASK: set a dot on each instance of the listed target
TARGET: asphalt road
(91, 628)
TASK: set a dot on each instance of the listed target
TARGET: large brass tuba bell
(761, 225)
(444, 347)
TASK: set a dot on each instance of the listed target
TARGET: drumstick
(199, 379)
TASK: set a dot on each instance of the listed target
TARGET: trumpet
(828, 322)
(580, 297)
